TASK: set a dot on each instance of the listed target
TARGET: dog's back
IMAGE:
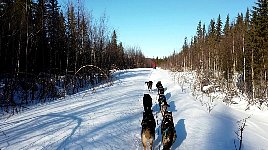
(161, 99)
(148, 128)
(164, 107)
(158, 84)
(161, 90)
(147, 102)
(168, 130)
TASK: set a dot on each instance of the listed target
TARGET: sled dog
(147, 102)
(164, 107)
(168, 131)
(161, 99)
(161, 90)
(149, 85)
(158, 84)
(148, 129)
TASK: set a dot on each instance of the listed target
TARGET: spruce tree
(259, 39)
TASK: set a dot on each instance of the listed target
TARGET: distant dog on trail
(168, 131)
(147, 102)
(148, 129)
(161, 90)
(149, 85)
(158, 84)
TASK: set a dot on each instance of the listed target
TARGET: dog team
(148, 123)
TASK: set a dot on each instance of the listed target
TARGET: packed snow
(109, 117)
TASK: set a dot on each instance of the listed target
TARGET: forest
(233, 55)
(47, 51)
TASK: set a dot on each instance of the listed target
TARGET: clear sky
(159, 27)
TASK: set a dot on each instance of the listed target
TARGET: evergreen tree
(114, 50)
(212, 47)
(225, 55)
(259, 40)
(247, 54)
(71, 30)
(42, 53)
(199, 32)
(218, 29)
(121, 58)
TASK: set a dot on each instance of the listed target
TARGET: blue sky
(159, 27)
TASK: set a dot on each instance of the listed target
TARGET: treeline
(237, 48)
(44, 49)
(37, 37)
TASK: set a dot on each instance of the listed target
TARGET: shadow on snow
(181, 133)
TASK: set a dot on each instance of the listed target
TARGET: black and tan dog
(164, 107)
(148, 129)
(149, 85)
(147, 102)
(161, 99)
(168, 131)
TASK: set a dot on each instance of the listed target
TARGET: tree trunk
(252, 75)
(244, 64)
(234, 59)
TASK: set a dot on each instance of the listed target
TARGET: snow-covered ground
(110, 118)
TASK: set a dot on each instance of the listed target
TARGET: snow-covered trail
(107, 119)
(111, 117)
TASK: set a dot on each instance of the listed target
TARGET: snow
(110, 118)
